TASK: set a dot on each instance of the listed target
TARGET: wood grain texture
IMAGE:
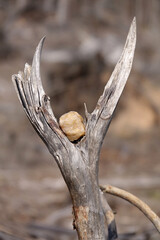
(78, 162)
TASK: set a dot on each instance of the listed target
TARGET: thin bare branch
(135, 201)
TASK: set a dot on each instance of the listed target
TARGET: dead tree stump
(78, 162)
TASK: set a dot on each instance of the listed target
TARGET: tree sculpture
(78, 161)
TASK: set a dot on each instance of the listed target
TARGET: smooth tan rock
(72, 125)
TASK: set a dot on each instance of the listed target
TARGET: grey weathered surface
(78, 162)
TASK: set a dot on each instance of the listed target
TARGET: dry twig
(135, 201)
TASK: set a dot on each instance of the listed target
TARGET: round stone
(72, 125)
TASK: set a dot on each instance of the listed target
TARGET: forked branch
(135, 201)
(78, 162)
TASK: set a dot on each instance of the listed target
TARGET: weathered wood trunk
(78, 162)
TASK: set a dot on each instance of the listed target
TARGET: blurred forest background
(84, 40)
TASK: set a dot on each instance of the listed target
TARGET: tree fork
(78, 162)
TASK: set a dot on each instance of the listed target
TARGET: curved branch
(37, 87)
(143, 207)
(36, 104)
(101, 116)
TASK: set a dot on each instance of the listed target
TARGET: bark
(78, 162)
